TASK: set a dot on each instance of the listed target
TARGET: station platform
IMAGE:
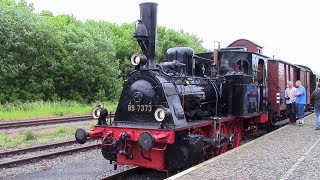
(290, 152)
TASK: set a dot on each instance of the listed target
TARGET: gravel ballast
(82, 165)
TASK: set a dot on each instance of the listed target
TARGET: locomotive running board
(281, 123)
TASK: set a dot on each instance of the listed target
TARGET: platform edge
(176, 176)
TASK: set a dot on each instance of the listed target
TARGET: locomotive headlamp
(101, 114)
(137, 59)
(96, 112)
(160, 114)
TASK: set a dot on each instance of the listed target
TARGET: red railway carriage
(279, 73)
(248, 45)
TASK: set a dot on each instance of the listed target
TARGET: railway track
(11, 125)
(18, 161)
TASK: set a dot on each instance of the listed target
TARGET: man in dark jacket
(315, 101)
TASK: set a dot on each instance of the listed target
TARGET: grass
(29, 138)
(41, 109)
(29, 135)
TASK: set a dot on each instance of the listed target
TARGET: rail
(19, 124)
(16, 162)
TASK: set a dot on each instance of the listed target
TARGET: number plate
(139, 108)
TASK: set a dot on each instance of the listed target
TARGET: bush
(29, 135)
(3, 138)
(61, 129)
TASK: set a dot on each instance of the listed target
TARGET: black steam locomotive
(188, 86)
(189, 108)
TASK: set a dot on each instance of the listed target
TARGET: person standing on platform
(315, 101)
(291, 102)
(301, 101)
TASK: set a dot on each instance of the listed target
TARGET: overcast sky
(287, 29)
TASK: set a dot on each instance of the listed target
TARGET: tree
(47, 57)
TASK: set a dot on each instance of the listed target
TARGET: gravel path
(82, 165)
(308, 168)
(291, 152)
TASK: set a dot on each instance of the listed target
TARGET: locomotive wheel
(236, 131)
(223, 145)
(198, 131)
(254, 128)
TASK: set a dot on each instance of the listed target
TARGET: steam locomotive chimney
(148, 16)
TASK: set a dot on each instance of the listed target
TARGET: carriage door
(261, 82)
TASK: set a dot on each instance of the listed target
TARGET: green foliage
(169, 38)
(29, 135)
(53, 58)
(124, 43)
(3, 138)
(61, 129)
(43, 136)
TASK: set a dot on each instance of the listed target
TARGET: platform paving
(291, 152)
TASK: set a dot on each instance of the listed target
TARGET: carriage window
(242, 66)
